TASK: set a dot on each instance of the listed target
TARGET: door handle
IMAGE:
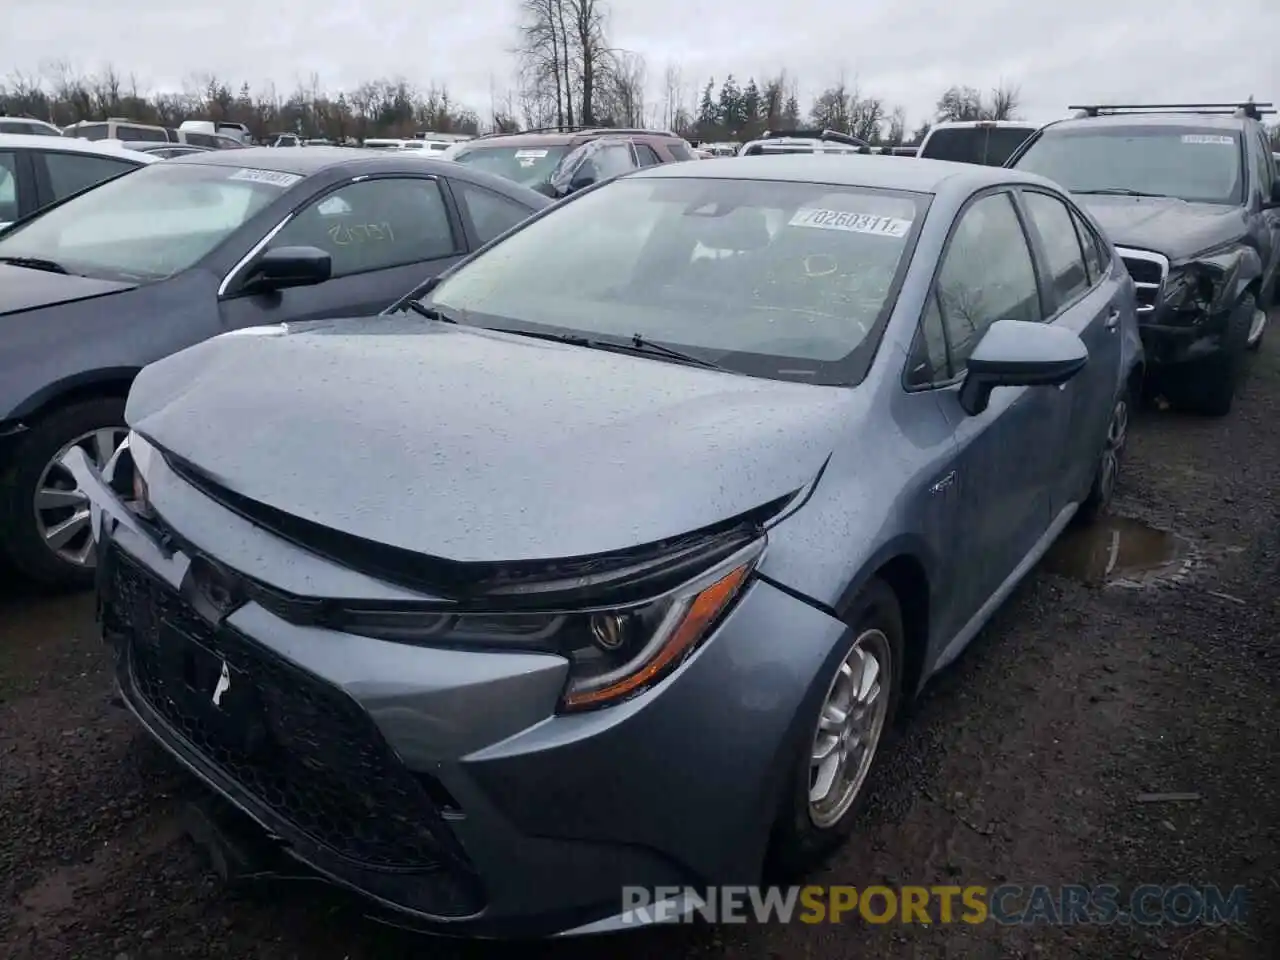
(1113, 319)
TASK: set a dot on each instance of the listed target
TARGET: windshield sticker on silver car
(273, 177)
(1208, 138)
(818, 219)
(530, 154)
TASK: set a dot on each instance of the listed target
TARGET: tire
(1110, 460)
(20, 527)
(800, 840)
(1214, 390)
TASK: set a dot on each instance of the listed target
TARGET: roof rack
(833, 135)
(1248, 108)
(588, 128)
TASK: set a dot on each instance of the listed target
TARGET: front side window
(1197, 164)
(150, 224)
(786, 280)
(528, 166)
(72, 172)
(373, 225)
(646, 155)
(987, 274)
(1067, 271)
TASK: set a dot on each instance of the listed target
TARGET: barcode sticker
(850, 222)
(1208, 138)
(273, 177)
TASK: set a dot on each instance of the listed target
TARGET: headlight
(124, 477)
(1191, 290)
(614, 653)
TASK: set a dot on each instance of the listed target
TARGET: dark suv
(555, 162)
(1189, 193)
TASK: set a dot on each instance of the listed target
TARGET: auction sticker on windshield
(273, 177)
(850, 222)
(530, 154)
(1208, 138)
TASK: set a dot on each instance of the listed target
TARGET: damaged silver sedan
(606, 561)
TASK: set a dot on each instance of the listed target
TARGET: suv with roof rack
(548, 158)
(804, 141)
(1190, 195)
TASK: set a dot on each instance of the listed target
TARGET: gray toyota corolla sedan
(607, 559)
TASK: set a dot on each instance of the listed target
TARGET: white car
(987, 142)
(30, 126)
(36, 171)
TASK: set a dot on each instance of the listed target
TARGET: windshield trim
(848, 371)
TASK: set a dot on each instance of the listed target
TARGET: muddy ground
(1022, 764)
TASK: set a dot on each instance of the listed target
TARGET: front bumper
(441, 784)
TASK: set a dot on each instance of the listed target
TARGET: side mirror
(582, 179)
(1017, 353)
(286, 267)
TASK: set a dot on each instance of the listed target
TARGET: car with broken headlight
(96, 286)
(1190, 194)
(610, 555)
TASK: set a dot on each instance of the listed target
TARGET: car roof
(71, 145)
(1211, 121)
(850, 170)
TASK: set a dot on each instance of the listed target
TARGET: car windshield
(1188, 162)
(777, 279)
(149, 224)
(528, 166)
(990, 146)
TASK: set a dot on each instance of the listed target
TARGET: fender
(1241, 265)
(84, 383)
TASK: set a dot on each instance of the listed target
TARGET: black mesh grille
(301, 747)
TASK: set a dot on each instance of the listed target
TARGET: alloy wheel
(61, 509)
(1117, 435)
(849, 728)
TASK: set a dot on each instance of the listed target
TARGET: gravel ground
(1022, 763)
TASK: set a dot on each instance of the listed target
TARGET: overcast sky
(904, 51)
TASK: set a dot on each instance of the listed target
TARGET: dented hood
(477, 446)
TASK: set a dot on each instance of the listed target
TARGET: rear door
(1009, 454)
(1082, 295)
(384, 235)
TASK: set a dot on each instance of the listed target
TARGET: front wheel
(859, 700)
(44, 517)
(1107, 472)
(1213, 390)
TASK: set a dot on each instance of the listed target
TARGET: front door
(1088, 298)
(1008, 455)
(384, 237)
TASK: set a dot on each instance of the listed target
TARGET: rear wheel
(860, 698)
(44, 518)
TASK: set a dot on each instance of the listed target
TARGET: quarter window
(987, 274)
(1067, 272)
(373, 225)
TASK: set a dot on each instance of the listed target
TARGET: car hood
(476, 446)
(22, 288)
(1174, 228)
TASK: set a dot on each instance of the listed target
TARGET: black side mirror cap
(286, 267)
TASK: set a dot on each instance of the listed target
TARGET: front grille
(1148, 271)
(314, 757)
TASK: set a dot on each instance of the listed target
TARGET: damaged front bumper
(442, 784)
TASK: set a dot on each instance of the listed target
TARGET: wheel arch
(87, 385)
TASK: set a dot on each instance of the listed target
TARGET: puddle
(1118, 550)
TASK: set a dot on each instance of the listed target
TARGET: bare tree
(897, 132)
(1005, 100)
(589, 51)
(543, 60)
(672, 97)
(624, 100)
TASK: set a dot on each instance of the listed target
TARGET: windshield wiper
(641, 345)
(36, 263)
(1122, 192)
(431, 313)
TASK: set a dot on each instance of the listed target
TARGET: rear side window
(152, 134)
(989, 146)
(72, 172)
(1067, 271)
(680, 151)
(200, 139)
(91, 131)
(1096, 257)
(8, 187)
(646, 155)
